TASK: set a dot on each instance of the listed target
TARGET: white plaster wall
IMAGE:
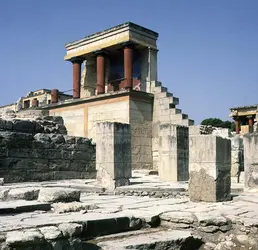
(108, 112)
(73, 120)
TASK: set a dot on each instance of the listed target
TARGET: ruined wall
(40, 150)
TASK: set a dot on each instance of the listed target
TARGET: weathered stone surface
(24, 237)
(113, 154)
(72, 207)
(23, 194)
(251, 160)
(173, 153)
(209, 165)
(51, 233)
(22, 206)
(237, 156)
(178, 217)
(28, 157)
(70, 229)
(58, 195)
(161, 240)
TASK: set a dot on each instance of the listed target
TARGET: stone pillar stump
(113, 154)
(209, 165)
(251, 160)
(173, 153)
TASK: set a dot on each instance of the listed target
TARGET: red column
(100, 74)
(76, 77)
(250, 121)
(237, 125)
(34, 103)
(54, 96)
(128, 66)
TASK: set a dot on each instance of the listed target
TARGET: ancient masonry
(119, 166)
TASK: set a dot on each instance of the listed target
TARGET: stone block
(251, 160)
(24, 126)
(209, 166)
(173, 153)
(237, 156)
(113, 154)
(58, 195)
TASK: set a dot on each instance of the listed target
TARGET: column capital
(235, 118)
(100, 52)
(249, 117)
(77, 60)
(128, 45)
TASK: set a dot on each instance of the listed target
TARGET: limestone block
(209, 166)
(58, 195)
(29, 236)
(24, 126)
(113, 154)
(28, 194)
(70, 229)
(237, 155)
(173, 153)
(251, 160)
(51, 233)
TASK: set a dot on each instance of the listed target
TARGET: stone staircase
(165, 111)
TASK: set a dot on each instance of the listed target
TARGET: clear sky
(208, 49)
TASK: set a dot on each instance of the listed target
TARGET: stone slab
(21, 206)
(173, 239)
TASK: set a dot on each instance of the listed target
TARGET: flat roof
(126, 24)
(245, 107)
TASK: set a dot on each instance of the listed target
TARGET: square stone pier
(209, 165)
(113, 154)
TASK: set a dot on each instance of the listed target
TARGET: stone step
(22, 206)
(174, 111)
(150, 239)
(160, 89)
(191, 122)
(179, 117)
(162, 94)
(186, 122)
(157, 84)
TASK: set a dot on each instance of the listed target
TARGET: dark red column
(237, 125)
(54, 96)
(34, 103)
(250, 121)
(76, 77)
(128, 66)
(100, 73)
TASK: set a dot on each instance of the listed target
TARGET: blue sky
(208, 49)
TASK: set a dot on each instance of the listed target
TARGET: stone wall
(46, 125)
(41, 157)
(39, 150)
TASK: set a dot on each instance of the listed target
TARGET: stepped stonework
(120, 166)
(165, 111)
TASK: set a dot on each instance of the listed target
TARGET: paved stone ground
(229, 224)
